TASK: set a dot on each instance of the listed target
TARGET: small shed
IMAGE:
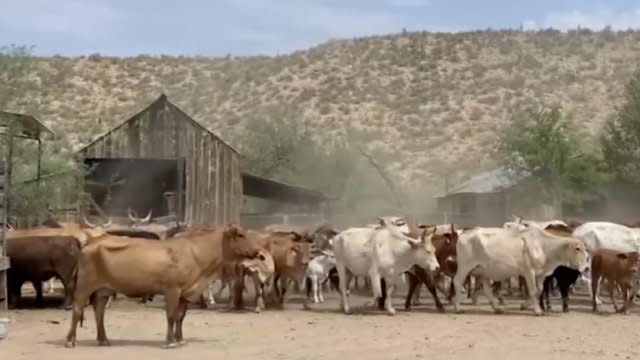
(491, 198)
(163, 161)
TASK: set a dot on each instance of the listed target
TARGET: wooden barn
(163, 161)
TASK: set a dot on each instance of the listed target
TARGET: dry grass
(413, 90)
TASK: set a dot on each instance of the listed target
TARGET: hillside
(436, 100)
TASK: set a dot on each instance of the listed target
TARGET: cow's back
(494, 250)
(42, 256)
(605, 235)
(354, 248)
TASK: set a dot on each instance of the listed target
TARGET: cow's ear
(423, 226)
(622, 256)
(381, 221)
(231, 231)
(413, 242)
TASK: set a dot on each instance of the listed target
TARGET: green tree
(542, 144)
(620, 140)
(28, 199)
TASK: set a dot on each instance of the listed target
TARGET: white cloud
(595, 20)
(84, 19)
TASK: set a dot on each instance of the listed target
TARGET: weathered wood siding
(213, 178)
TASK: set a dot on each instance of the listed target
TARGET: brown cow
(179, 269)
(39, 258)
(290, 258)
(619, 268)
(445, 245)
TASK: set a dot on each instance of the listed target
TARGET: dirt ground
(324, 333)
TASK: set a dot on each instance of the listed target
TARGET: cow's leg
(564, 287)
(533, 292)
(51, 288)
(497, 287)
(416, 295)
(383, 294)
(182, 312)
(389, 295)
(258, 289)
(172, 305)
(37, 285)
(80, 299)
(321, 289)
(376, 288)
(458, 282)
(429, 281)
(412, 284)
(99, 306)
(314, 288)
(595, 287)
(342, 280)
(544, 302)
(488, 291)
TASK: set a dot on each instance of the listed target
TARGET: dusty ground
(138, 330)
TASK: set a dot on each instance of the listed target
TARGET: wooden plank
(218, 187)
(4, 263)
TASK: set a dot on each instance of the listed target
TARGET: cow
(619, 268)
(260, 270)
(600, 234)
(290, 258)
(317, 273)
(518, 248)
(381, 253)
(444, 243)
(178, 269)
(564, 276)
(37, 258)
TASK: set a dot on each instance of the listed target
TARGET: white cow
(385, 252)
(600, 234)
(317, 273)
(516, 249)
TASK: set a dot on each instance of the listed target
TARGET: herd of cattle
(94, 264)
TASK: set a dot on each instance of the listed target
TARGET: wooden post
(4, 260)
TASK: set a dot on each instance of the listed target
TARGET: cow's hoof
(565, 309)
(523, 307)
(391, 312)
(70, 344)
(104, 342)
(171, 345)
(182, 342)
(257, 310)
(458, 311)
(498, 310)
(440, 309)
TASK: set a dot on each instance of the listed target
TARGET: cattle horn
(147, 218)
(85, 221)
(108, 223)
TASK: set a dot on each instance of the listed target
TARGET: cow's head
(444, 242)
(236, 245)
(424, 253)
(262, 265)
(298, 255)
(630, 262)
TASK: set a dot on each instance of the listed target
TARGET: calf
(619, 268)
(317, 273)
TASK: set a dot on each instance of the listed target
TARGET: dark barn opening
(139, 184)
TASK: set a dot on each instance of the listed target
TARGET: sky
(271, 27)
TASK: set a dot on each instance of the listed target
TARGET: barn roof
(160, 101)
(273, 190)
(491, 181)
(30, 127)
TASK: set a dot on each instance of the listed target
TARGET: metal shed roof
(486, 182)
(30, 127)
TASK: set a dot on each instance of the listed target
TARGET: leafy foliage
(28, 198)
(542, 144)
(620, 140)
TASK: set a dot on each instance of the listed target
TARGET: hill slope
(436, 100)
